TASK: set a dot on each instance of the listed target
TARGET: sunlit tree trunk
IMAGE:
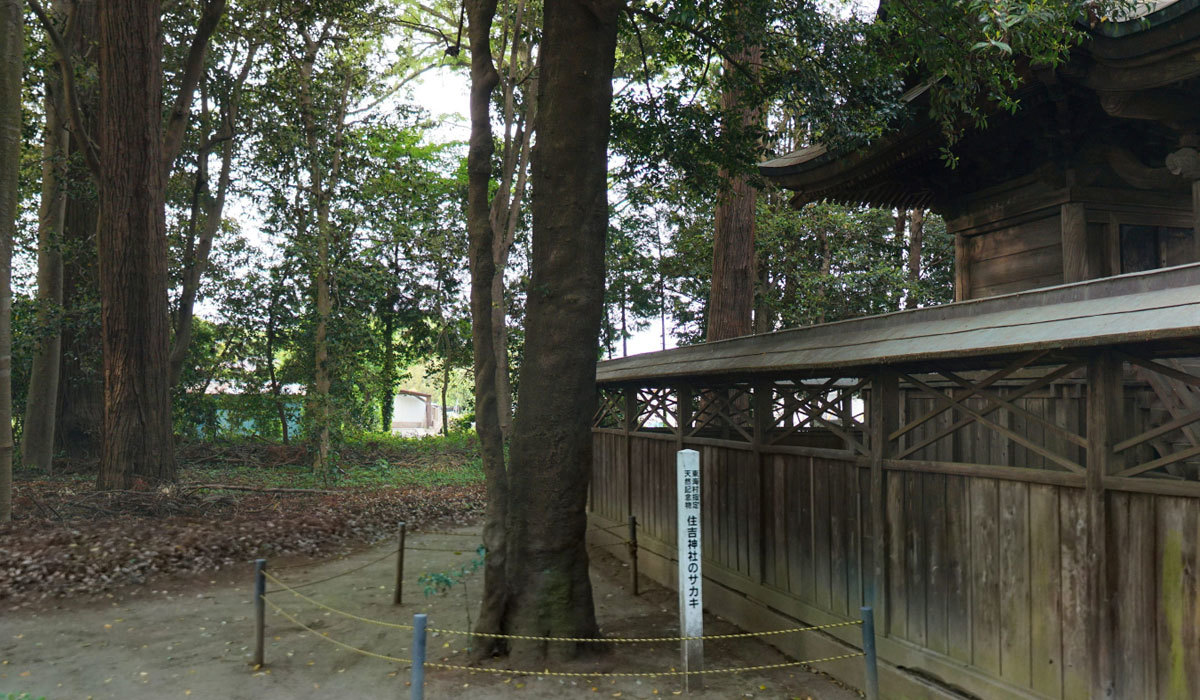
(484, 78)
(37, 437)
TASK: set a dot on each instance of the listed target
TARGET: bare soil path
(191, 637)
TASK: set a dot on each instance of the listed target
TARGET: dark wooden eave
(1143, 73)
(1160, 306)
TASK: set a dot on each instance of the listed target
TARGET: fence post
(396, 596)
(868, 632)
(633, 555)
(418, 660)
(260, 590)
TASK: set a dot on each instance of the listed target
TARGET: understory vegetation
(234, 501)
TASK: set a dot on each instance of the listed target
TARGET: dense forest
(315, 217)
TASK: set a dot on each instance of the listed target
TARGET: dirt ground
(192, 637)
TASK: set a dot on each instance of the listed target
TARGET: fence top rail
(1145, 307)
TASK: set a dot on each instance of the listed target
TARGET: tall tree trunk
(551, 453)
(916, 235)
(12, 51)
(445, 386)
(731, 301)
(133, 248)
(81, 378)
(276, 389)
(484, 78)
(80, 404)
(37, 438)
(386, 406)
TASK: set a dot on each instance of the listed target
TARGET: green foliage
(441, 582)
(370, 462)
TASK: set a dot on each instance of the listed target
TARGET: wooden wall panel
(983, 573)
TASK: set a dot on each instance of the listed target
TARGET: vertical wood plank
(882, 416)
(914, 558)
(780, 491)
(1131, 540)
(958, 568)
(837, 536)
(897, 598)
(937, 586)
(1178, 609)
(1015, 595)
(1103, 425)
(985, 575)
(854, 528)
(1045, 562)
(1073, 531)
(821, 533)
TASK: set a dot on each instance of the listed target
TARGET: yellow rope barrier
(319, 604)
(634, 640)
(530, 638)
(645, 674)
(326, 637)
(373, 562)
(557, 674)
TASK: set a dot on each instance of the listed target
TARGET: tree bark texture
(916, 235)
(12, 50)
(550, 593)
(484, 78)
(137, 445)
(80, 408)
(731, 301)
(37, 436)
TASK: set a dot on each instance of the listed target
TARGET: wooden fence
(1026, 526)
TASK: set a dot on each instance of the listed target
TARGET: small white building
(415, 413)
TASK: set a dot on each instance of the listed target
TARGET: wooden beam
(882, 417)
(1103, 423)
(1076, 260)
(962, 268)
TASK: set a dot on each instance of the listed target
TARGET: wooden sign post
(691, 578)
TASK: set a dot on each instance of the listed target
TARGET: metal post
(260, 590)
(418, 660)
(868, 631)
(399, 568)
(633, 555)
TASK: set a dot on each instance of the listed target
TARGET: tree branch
(70, 95)
(193, 66)
(703, 37)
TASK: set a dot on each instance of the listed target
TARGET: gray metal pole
(868, 631)
(396, 596)
(260, 590)
(418, 657)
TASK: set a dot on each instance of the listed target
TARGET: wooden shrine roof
(1159, 305)
(904, 168)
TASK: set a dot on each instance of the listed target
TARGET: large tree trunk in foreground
(483, 333)
(137, 445)
(37, 437)
(551, 452)
(12, 50)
